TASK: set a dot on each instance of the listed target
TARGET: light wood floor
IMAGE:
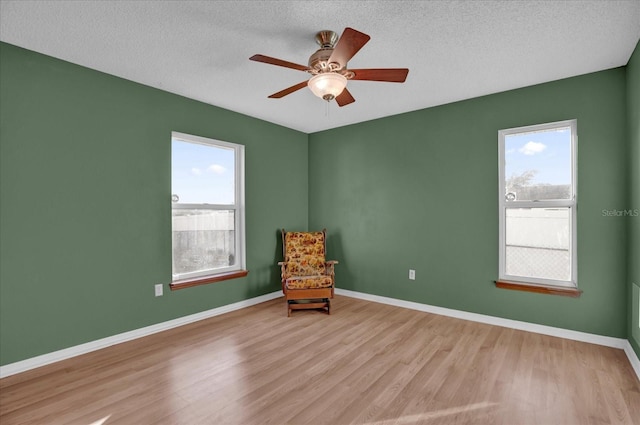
(367, 363)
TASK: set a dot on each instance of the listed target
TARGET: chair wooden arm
(283, 267)
(328, 267)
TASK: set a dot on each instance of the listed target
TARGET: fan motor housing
(319, 61)
(327, 39)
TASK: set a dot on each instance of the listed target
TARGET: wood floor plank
(366, 363)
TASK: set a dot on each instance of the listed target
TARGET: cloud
(196, 171)
(216, 168)
(532, 148)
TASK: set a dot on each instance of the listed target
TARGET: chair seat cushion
(309, 282)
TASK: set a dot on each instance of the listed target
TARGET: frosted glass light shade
(327, 85)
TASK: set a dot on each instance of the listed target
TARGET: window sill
(188, 283)
(528, 287)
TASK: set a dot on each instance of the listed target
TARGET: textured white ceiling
(454, 49)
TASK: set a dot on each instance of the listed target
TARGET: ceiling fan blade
(278, 62)
(289, 90)
(344, 98)
(348, 45)
(392, 75)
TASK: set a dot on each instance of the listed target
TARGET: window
(537, 202)
(207, 206)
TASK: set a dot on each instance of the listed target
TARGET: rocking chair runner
(307, 278)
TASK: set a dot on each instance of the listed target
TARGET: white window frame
(238, 207)
(570, 203)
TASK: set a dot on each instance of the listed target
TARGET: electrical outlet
(158, 289)
(412, 274)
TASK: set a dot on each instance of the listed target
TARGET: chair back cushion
(304, 253)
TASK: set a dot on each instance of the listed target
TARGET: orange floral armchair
(307, 278)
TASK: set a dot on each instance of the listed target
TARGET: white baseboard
(608, 341)
(45, 359)
(633, 358)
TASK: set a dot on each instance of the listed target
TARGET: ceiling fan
(328, 67)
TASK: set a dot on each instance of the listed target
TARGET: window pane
(538, 165)
(537, 243)
(203, 240)
(202, 174)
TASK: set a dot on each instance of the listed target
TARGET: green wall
(85, 213)
(419, 190)
(633, 119)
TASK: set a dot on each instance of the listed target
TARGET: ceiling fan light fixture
(328, 67)
(327, 85)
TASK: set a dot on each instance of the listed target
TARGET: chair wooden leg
(323, 304)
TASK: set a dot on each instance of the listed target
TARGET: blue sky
(547, 152)
(202, 173)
